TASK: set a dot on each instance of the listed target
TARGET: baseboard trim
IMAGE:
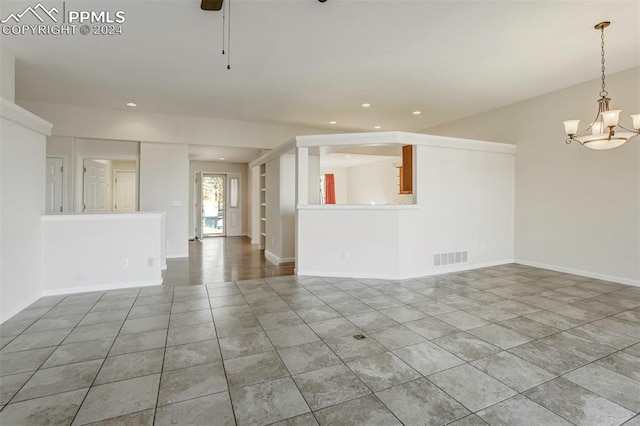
(408, 276)
(589, 274)
(177, 255)
(101, 287)
(7, 316)
(277, 260)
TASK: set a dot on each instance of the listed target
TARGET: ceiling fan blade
(211, 5)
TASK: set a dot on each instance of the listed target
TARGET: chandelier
(604, 132)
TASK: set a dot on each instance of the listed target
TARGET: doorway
(213, 205)
(108, 185)
(125, 191)
(55, 185)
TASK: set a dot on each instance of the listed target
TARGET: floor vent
(453, 258)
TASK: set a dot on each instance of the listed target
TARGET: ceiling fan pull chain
(229, 39)
(223, 27)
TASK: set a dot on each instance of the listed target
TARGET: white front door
(234, 204)
(125, 192)
(95, 187)
(54, 185)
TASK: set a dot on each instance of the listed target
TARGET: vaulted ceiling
(308, 63)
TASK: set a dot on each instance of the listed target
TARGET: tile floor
(508, 345)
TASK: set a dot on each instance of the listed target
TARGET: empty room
(319, 212)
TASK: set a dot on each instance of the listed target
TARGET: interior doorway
(108, 185)
(125, 191)
(213, 205)
(55, 185)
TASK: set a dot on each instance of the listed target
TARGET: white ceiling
(307, 63)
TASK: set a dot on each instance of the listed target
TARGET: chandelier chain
(603, 92)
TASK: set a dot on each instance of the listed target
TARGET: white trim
(16, 310)
(277, 260)
(399, 138)
(274, 153)
(439, 271)
(177, 255)
(101, 287)
(403, 138)
(19, 115)
(596, 275)
(163, 267)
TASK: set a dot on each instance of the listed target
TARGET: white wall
(88, 252)
(576, 210)
(465, 201)
(7, 74)
(219, 168)
(164, 186)
(287, 208)
(375, 183)
(127, 124)
(254, 207)
(349, 241)
(280, 209)
(22, 192)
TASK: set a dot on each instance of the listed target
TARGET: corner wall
(576, 210)
(164, 186)
(22, 193)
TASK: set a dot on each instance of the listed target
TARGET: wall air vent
(451, 258)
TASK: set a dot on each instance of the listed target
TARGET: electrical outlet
(345, 255)
(150, 261)
(125, 263)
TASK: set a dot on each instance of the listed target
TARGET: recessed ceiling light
(332, 122)
(221, 158)
(366, 105)
(347, 156)
(378, 127)
(417, 112)
(132, 104)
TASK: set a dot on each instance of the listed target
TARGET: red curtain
(329, 189)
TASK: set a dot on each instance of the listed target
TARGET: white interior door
(95, 187)
(198, 206)
(125, 192)
(54, 185)
(234, 204)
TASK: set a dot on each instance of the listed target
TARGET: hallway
(221, 259)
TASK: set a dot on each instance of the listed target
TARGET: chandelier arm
(629, 130)
(588, 129)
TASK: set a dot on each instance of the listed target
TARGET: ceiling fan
(211, 5)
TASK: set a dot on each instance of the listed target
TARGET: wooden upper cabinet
(405, 174)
